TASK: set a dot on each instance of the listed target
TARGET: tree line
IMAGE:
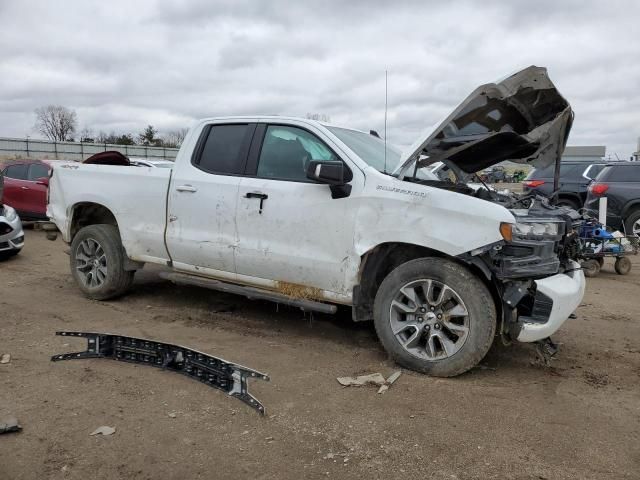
(59, 123)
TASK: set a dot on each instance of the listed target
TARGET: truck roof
(276, 118)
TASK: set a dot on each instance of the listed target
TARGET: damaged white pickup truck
(306, 213)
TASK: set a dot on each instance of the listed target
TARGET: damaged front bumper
(535, 303)
(555, 298)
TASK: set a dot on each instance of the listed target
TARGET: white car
(11, 233)
(311, 214)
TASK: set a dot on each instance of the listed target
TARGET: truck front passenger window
(286, 152)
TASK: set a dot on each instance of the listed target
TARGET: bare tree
(174, 138)
(115, 139)
(87, 135)
(56, 122)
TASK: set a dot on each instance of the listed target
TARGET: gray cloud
(123, 65)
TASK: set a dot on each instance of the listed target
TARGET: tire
(568, 202)
(467, 303)
(622, 265)
(97, 261)
(632, 224)
(600, 261)
(591, 268)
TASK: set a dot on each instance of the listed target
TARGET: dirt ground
(510, 419)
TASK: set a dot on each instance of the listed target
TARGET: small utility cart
(596, 243)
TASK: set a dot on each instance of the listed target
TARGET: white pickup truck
(316, 215)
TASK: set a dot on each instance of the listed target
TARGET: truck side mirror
(330, 172)
(43, 181)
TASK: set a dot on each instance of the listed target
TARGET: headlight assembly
(9, 213)
(536, 229)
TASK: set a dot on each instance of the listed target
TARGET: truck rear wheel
(97, 262)
(434, 316)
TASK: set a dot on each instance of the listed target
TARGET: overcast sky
(124, 64)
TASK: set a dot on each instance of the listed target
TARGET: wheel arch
(84, 214)
(380, 260)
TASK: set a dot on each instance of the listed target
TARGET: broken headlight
(537, 229)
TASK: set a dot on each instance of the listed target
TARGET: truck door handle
(186, 188)
(261, 196)
(24, 188)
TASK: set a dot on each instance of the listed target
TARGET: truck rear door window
(225, 149)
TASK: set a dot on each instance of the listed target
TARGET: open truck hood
(522, 118)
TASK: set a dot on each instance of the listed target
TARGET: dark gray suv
(574, 181)
(620, 183)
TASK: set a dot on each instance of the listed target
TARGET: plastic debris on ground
(8, 425)
(104, 430)
(370, 379)
(392, 378)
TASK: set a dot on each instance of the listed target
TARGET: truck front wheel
(434, 316)
(97, 262)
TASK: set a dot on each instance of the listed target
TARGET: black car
(620, 183)
(574, 180)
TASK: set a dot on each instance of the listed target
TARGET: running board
(213, 371)
(249, 292)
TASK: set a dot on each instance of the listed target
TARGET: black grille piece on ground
(213, 371)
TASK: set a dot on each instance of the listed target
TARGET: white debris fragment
(6, 358)
(392, 378)
(373, 378)
(10, 425)
(172, 415)
(104, 430)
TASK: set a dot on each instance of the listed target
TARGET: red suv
(25, 187)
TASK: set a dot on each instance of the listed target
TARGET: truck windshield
(369, 148)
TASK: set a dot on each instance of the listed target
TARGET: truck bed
(136, 196)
